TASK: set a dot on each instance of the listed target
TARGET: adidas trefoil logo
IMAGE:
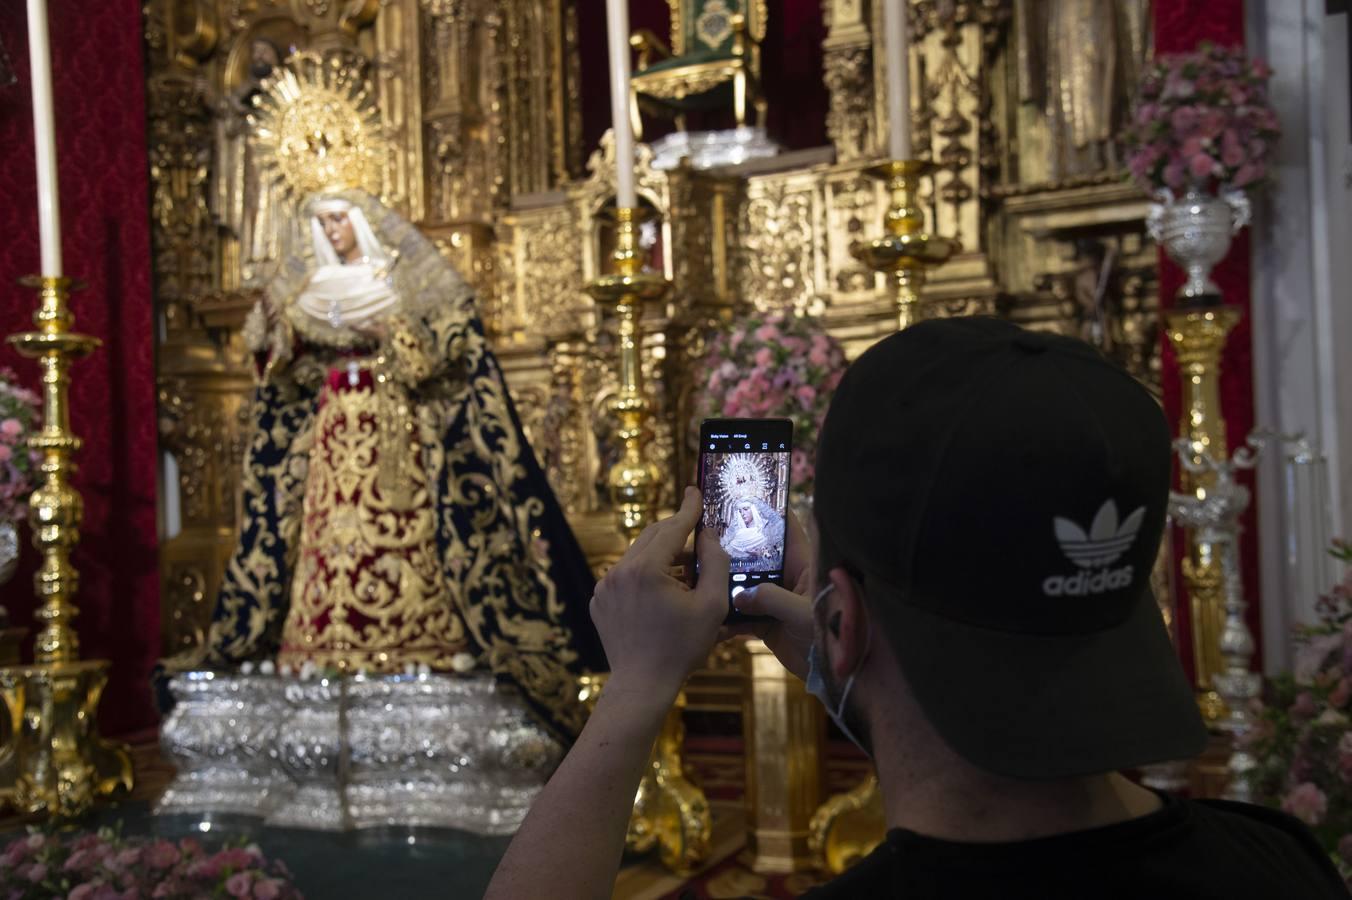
(1104, 545)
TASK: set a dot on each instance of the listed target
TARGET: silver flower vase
(1196, 230)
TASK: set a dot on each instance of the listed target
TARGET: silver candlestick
(1214, 517)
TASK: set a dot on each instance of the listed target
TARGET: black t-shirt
(1188, 849)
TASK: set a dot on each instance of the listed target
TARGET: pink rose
(1201, 166)
(1307, 803)
(1249, 173)
(129, 857)
(1345, 848)
(1304, 706)
(82, 892)
(239, 885)
(767, 333)
(818, 357)
(33, 872)
(1232, 149)
(737, 337)
(79, 861)
(11, 427)
(1173, 175)
(1345, 756)
(15, 853)
(36, 841)
(161, 855)
(1183, 120)
(807, 395)
(765, 357)
(267, 889)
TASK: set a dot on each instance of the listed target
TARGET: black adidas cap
(1002, 493)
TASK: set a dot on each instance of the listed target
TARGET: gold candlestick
(634, 482)
(670, 812)
(60, 762)
(1198, 335)
(905, 251)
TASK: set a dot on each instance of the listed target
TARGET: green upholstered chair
(713, 62)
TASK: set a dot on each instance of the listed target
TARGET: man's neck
(960, 803)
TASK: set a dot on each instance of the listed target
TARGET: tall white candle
(44, 137)
(898, 79)
(617, 23)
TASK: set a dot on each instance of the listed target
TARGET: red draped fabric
(791, 67)
(99, 88)
(1180, 25)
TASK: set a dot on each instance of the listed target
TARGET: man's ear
(846, 623)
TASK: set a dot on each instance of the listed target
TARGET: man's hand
(655, 628)
(788, 631)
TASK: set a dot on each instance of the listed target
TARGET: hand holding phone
(744, 480)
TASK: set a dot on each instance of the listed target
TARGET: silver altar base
(221, 736)
(435, 751)
(711, 149)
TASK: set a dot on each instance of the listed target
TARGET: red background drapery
(99, 91)
(1180, 25)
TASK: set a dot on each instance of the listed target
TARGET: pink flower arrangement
(1202, 120)
(776, 366)
(1303, 736)
(19, 417)
(103, 866)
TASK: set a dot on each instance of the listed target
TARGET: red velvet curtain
(1180, 25)
(791, 68)
(99, 89)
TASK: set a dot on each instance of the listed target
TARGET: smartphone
(744, 479)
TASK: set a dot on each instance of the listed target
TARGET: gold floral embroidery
(368, 591)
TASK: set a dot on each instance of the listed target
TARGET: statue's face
(747, 517)
(338, 229)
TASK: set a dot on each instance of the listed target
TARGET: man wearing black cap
(989, 505)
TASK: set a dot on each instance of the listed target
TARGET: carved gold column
(905, 251)
(784, 729)
(670, 812)
(634, 482)
(60, 762)
(1198, 336)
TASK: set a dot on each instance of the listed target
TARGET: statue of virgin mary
(394, 513)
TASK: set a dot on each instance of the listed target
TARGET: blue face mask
(816, 680)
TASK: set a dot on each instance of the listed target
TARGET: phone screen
(744, 479)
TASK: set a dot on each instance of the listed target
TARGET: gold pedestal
(905, 251)
(1198, 336)
(670, 812)
(784, 730)
(59, 763)
(634, 482)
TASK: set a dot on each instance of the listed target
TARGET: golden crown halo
(318, 127)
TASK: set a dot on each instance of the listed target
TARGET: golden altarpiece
(482, 98)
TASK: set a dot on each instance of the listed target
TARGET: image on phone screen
(744, 479)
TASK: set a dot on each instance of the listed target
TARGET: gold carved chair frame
(661, 85)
